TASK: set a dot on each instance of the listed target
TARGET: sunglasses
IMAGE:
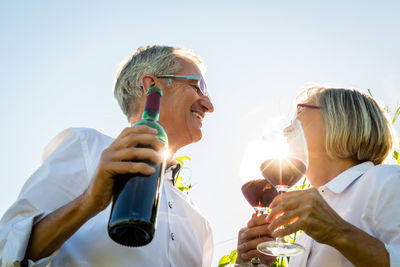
(201, 84)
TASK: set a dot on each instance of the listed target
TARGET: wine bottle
(136, 197)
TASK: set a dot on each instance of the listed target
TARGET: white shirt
(366, 196)
(183, 236)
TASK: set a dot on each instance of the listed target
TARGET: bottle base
(135, 234)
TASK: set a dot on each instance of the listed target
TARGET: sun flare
(257, 151)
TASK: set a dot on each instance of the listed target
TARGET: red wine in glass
(283, 167)
(259, 193)
(283, 173)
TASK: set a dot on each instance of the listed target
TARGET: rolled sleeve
(17, 237)
(59, 180)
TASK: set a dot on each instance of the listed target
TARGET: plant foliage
(179, 181)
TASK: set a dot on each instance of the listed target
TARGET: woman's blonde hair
(356, 124)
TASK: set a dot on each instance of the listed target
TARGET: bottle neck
(152, 106)
(152, 115)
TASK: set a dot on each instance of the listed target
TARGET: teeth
(197, 115)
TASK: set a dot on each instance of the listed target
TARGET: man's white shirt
(183, 236)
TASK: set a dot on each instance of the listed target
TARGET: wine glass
(283, 172)
(258, 191)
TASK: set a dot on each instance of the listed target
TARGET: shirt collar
(171, 172)
(343, 180)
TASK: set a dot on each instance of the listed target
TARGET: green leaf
(178, 180)
(225, 260)
(233, 256)
(180, 187)
(276, 263)
(396, 156)
(396, 114)
(180, 159)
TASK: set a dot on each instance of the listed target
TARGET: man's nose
(207, 104)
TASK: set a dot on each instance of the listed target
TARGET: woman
(351, 215)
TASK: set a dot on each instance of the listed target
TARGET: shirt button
(170, 204)
(172, 236)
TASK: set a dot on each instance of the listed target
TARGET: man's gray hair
(154, 60)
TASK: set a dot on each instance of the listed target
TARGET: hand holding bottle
(134, 143)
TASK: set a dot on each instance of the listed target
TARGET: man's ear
(147, 82)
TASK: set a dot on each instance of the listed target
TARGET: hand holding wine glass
(259, 193)
(256, 231)
(284, 172)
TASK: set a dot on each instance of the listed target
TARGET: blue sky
(58, 59)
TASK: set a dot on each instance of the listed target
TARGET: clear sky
(58, 59)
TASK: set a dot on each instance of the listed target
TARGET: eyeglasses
(201, 84)
(302, 107)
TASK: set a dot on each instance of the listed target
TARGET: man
(61, 215)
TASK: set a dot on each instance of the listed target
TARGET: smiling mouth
(197, 115)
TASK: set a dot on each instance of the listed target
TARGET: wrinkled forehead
(188, 67)
(189, 56)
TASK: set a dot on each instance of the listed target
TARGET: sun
(257, 151)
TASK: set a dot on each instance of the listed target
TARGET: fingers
(132, 151)
(290, 201)
(257, 226)
(284, 196)
(138, 154)
(128, 167)
(256, 232)
(257, 220)
(286, 218)
(288, 229)
(251, 244)
(249, 238)
(137, 129)
(248, 250)
(131, 139)
(284, 205)
(142, 136)
(303, 210)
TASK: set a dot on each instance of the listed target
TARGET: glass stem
(259, 210)
(256, 261)
(281, 190)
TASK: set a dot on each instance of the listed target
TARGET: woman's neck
(323, 169)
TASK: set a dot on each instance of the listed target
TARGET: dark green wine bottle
(136, 197)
